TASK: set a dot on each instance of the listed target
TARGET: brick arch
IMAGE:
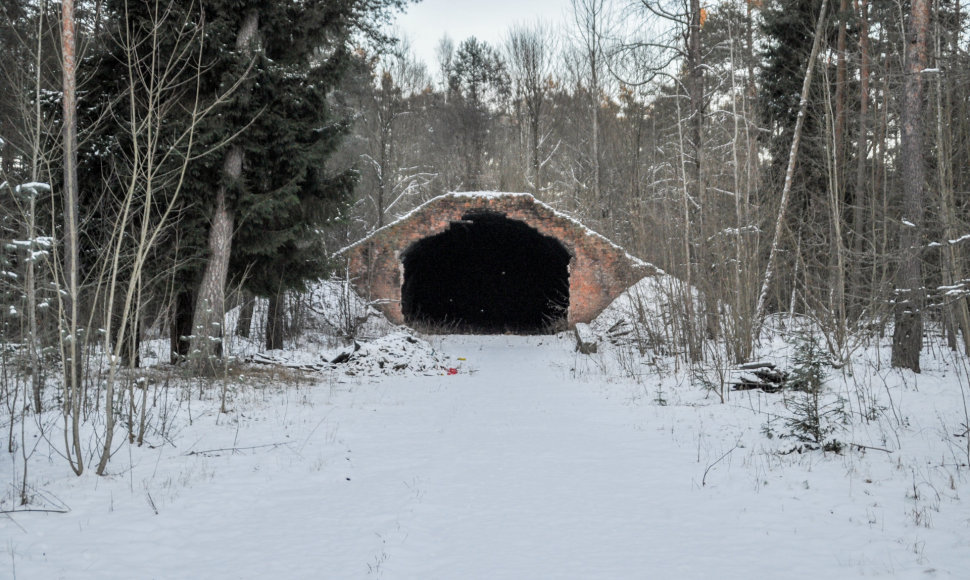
(598, 270)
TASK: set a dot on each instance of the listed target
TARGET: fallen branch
(860, 446)
(36, 510)
(234, 449)
(261, 359)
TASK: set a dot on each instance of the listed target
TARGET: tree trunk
(276, 321)
(595, 102)
(836, 327)
(210, 305)
(837, 198)
(245, 324)
(695, 94)
(71, 349)
(535, 108)
(952, 271)
(908, 333)
(131, 342)
(695, 89)
(207, 322)
(841, 74)
(860, 197)
(180, 326)
(385, 137)
(35, 378)
(37, 386)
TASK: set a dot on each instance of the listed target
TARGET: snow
(397, 353)
(642, 314)
(730, 232)
(33, 187)
(962, 238)
(532, 461)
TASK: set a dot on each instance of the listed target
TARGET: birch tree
(159, 52)
(760, 310)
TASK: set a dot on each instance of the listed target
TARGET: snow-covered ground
(532, 461)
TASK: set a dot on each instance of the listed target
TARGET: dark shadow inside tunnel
(486, 274)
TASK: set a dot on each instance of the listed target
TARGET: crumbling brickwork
(599, 271)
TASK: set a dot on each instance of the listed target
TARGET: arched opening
(485, 274)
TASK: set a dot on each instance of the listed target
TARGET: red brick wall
(598, 270)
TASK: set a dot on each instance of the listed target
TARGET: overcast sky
(488, 20)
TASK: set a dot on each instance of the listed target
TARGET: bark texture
(207, 321)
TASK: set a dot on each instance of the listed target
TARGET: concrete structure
(491, 262)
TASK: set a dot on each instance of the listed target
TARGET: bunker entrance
(486, 274)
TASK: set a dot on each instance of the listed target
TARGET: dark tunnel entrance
(486, 274)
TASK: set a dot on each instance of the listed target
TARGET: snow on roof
(501, 194)
(405, 217)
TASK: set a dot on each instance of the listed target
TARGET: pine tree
(910, 301)
(257, 190)
(479, 83)
(285, 134)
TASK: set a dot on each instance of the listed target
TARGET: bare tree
(445, 53)
(591, 19)
(152, 178)
(530, 51)
(400, 78)
(36, 132)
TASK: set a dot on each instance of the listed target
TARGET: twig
(15, 522)
(719, 459)
(312, 431)
(150, 499)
